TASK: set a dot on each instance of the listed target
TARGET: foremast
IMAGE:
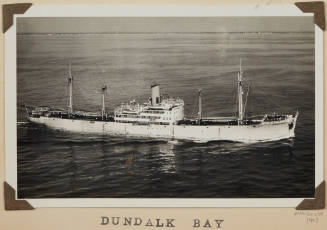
(70, 83)
(240, 94)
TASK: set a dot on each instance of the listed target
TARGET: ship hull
(266, 131)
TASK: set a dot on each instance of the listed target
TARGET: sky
(165, 24)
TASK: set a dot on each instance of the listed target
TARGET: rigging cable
(246, 99)
(194, 106)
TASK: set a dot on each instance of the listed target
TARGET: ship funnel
(155, 94)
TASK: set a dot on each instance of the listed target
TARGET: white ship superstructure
(163, 117)
(159, 110)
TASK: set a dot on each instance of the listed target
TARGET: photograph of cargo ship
(136, 107)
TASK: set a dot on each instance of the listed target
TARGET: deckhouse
(159, 110)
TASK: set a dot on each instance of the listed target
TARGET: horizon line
(238, 32)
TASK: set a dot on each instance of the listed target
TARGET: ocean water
(278, 66)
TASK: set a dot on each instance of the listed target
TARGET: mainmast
(240, 94)
(70, 82)
(200, 107)
(104, 90)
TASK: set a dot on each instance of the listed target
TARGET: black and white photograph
(166, 107)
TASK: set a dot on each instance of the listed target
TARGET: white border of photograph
(154, 11)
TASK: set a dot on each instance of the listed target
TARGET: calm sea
(278, 66)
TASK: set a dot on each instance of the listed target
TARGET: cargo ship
(163, 117)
